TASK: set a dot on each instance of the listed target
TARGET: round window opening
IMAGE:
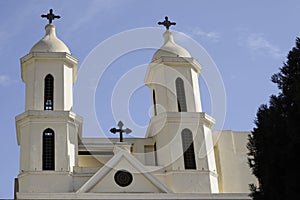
(123, 178)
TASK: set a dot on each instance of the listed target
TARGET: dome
(50, 43)
(170, 48)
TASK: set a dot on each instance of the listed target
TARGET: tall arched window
(154, 102)
(180, 95)
(48, 149)
(155, 154)
(188, 149)
(48, 92)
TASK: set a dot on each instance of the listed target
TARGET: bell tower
(48, 130)
(181, 131)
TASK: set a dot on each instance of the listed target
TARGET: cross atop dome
(50, 43)
(50, 16)
(167, 23)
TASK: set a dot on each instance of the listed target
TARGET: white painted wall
(231, 155)
(161, 76)
(36, 66)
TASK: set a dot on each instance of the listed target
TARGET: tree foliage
(274, 143)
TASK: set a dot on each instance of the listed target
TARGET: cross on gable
(167, 23)
(120, 130)
(50, 16)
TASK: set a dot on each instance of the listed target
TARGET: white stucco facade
(179, 158)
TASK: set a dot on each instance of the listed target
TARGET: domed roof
(50, 43)
(170, 48)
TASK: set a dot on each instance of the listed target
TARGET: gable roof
(112, 163)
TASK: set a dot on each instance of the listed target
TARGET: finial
(50, 16)
(120, 130)
(166, 23)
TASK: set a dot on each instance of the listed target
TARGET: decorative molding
(112, 163)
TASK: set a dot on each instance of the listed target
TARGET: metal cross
(50, 16)
(167, 23)
(120, 130)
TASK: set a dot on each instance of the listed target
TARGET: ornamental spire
(167, 23)
(120, 130)
(50, 16)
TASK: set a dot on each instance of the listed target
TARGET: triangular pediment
(123, 173)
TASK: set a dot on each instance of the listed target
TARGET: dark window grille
(154, 102)
(123, 178)
(181, 101)
(188, 149)
(155, 154)
(48, 149)
(48, 92)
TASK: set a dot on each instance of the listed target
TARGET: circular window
(123, 178)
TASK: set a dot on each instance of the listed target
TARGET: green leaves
(274, 143)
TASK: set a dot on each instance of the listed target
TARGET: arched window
(48, 92)
(155, 154)
(48, 149)
(180, 95)
(154, 102)
(188, 149)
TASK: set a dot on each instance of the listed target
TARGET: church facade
(179, 158)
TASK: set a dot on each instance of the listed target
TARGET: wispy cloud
(93, 11)
(5, 80)
(209, 35)
(259, 43)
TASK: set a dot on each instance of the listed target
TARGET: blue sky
(247, 40)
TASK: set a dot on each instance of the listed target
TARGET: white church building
(179, 158)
